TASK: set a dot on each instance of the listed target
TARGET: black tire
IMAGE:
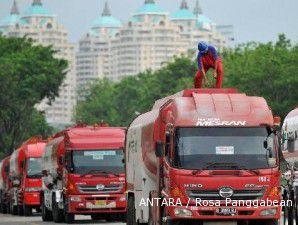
(291, 210)
(97, 216)
(13, 209)
(58, 214)
(131, 211)
(20, 210)
(27, 210)
(46, 214)
(69, 218)
(4, 208)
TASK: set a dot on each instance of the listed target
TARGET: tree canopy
(269, 70)
(28, 74)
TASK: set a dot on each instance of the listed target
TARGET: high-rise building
(37, 23)
(196, 26)
(150, 38)
(147, 41)
(93, 57)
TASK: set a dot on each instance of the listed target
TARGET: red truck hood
(29, 182)
(213, 181)
(95, 184)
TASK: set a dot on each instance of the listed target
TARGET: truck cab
(25, 176)
(84, 174)
(204, 155)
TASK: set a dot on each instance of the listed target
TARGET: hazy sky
(253, 20)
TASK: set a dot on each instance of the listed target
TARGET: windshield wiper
(34, 176)
(99, 172)
(224, 165)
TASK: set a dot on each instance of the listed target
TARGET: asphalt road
(36, 220)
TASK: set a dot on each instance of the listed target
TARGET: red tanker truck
(25, 176)
(5, 185)
(84, 174)
(203, 155)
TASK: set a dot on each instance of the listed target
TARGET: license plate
(226, 211)
(100, 202)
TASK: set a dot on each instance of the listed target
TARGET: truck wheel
(13, 210)
(27, 210)
(20, 210)
(58, 214)
(46, 214)
(97, 217)
(131, 211)
(291, 210)
(68, 217)
(270, 222)
(4, 208)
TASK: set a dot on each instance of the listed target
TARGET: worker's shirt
(209, 59)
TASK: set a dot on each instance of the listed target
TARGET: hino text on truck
(25, 175)
(84, 174)
(202, 155)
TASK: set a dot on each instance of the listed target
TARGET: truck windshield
(224, 148)
(97, 161)
(34, 168)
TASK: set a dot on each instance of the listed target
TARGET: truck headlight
(33, 189)
(268, 212)
(75, 199)
(182, 212)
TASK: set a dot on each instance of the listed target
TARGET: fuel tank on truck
(4, 167)
(290, 137)
(33, 147)
(189, 108)
(53, 152)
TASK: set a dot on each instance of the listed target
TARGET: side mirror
(22, 164)
(159, 149)
(45, 172)
(265, 144)
(270, 153)
(61, 160)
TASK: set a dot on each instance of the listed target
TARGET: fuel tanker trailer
(25, 175)
(5, 185)
(204, 155)
(290, 152)
(83, 173)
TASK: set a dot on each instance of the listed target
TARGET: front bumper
(210, 213)
(89, 204)
(32, 198)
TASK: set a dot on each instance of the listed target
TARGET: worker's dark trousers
(220, 73)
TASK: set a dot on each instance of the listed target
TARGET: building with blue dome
(93, 57)
(106, 24)
(11, 20)
(42, 26)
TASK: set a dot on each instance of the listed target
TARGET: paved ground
(36, 220)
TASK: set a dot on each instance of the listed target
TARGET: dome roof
(183, 13)
(10, 20)
(37, 9)
(13, 18)
(106, 21)
(150, 7)
(204, 22)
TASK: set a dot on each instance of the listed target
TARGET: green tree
(268, 70)
(28, 74)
